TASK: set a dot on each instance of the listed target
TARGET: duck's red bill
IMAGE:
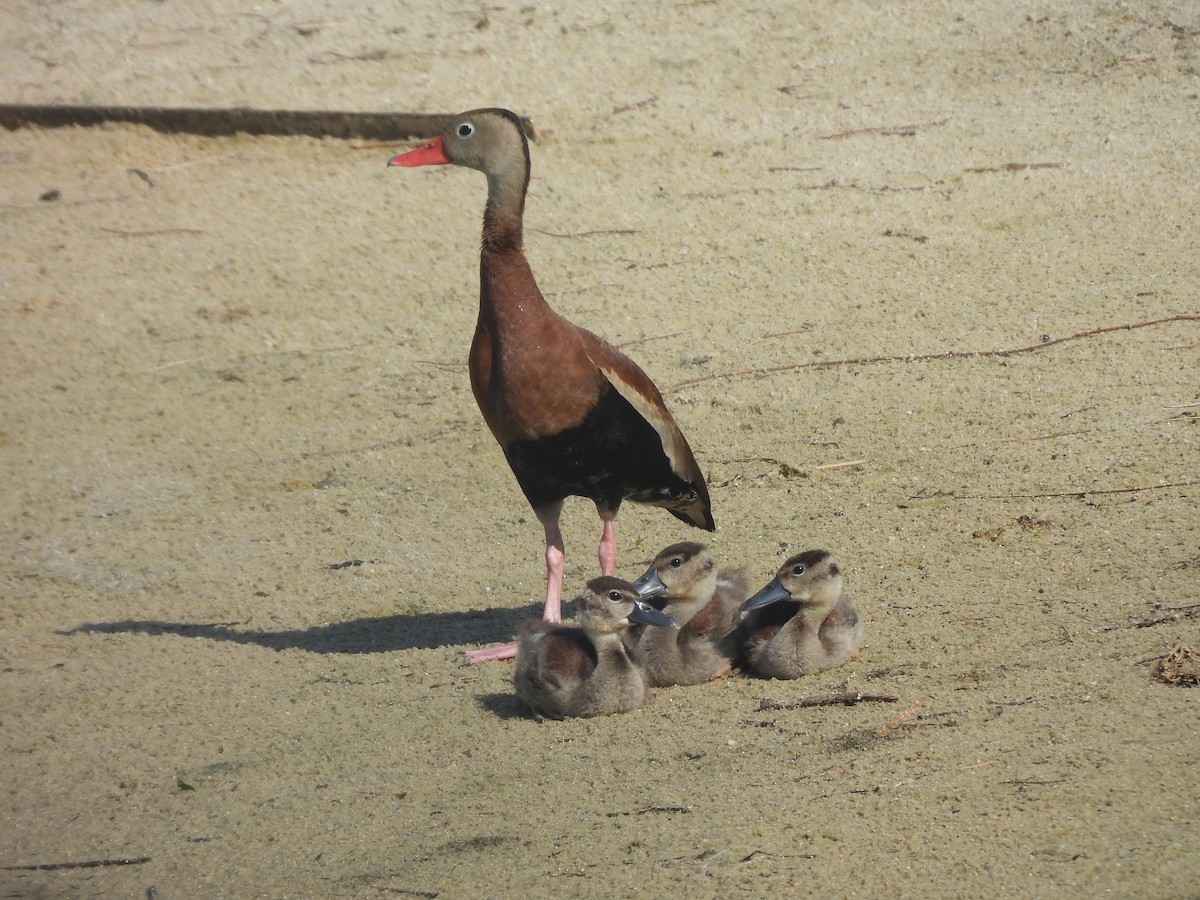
(432, 154)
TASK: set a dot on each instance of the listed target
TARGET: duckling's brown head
(812, 578)
(684, 570)
(610, 605)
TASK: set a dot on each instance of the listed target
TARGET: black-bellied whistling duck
(586, 670)
(802, 622)
(707, 606)
(574, 415)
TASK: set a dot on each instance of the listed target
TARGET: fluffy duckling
(705, 602)
(802, 622)
(565, 670)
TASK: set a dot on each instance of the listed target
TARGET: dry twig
(1170, 614)
(153, 232)
(88, 864)
(1080, 493)
(838, 465)
(579, 234)
(888, 130)
(846, 698)
(405, 441)
(638, 105)
(1167, 614)
(888, 726)
(1016, 167)
(764, 371)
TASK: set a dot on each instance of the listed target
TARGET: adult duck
(585, 670)
(573, 415)
(802, 622)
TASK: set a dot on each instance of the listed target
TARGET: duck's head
(490, 140)
(610, 605)
(812, 579)
(681, 571)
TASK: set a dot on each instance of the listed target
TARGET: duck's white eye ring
(465, 130)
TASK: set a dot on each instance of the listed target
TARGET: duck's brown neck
(508, 182)
(502, 231)
(509, 298)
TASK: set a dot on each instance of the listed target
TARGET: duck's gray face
(811, 578)
(490, 140)
(611, 605)
(677, 570)
(484, 140)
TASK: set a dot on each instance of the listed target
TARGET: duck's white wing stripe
(668, 435)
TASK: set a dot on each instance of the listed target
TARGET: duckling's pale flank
(802, 622)
(586, 671)
(706, 605)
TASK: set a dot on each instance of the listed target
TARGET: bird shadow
(504, 706)
(384, 634)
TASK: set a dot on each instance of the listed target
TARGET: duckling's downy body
(706, 604)
(565, 670)
(802, 622)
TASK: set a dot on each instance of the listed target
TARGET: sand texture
(920, 282)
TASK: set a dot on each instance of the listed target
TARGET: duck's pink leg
(556, 558)
(552, 612)
(491, 654)
(608, 549)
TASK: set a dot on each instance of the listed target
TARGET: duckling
(802, 622)
(705, 603)
(585, 670)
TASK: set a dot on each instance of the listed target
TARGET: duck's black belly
(614, 454)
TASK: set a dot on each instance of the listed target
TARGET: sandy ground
(231, 365)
